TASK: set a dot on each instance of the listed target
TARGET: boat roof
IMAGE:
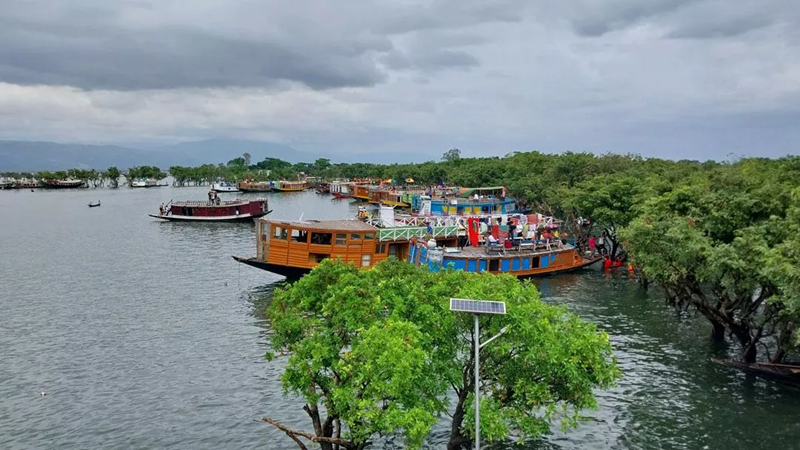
(206, 204)
(332, 225)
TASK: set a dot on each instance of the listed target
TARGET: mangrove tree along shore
(377, 352)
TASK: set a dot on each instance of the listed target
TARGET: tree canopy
(376, 353)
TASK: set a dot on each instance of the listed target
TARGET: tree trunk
(749, 352)
(457, 438)
(717, 332)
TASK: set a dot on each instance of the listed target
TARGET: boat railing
(407, 233)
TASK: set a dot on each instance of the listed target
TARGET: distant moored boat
(63, 184)
(144, 183)
(224, 186)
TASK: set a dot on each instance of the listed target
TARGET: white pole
(477, 387)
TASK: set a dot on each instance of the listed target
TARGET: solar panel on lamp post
(477, 307)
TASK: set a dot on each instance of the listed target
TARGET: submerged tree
(375, 353)
(717, 246)
(113, 175)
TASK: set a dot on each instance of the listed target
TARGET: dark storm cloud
(123, 45)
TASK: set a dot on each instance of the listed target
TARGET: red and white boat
(213, 211)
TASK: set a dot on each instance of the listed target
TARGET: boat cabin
(291, 186)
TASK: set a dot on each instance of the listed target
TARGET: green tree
(451, 155)
(113, 174)
(377, 352)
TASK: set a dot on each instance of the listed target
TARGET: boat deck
(484, 252)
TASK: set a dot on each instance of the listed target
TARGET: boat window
(534, 262)
(264, 231)
(341, 239)
(321, 238)
(300, 236)
(369, 236)
(380, 249)
(355, 237)
(279, 233)
(365, 260)
(494, 265)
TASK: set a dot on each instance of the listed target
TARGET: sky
(697, 79)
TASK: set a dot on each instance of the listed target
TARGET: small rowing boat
(94, 205)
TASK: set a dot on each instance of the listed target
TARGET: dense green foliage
(376, 353)
(144, 172)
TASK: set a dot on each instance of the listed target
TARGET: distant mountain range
(31, 156)
(23, 156)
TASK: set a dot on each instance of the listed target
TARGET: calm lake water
(148, 335)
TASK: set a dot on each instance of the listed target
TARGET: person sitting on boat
(491, 240)
(462, 234)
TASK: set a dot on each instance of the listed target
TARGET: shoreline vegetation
(719, 239)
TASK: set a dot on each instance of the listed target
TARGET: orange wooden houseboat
(293, 248)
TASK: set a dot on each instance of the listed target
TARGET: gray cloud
(648, 76)
(124, 45)
(593, 18)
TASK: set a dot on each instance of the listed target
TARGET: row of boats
(31, 184)
(425, 231)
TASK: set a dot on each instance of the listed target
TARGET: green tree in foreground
(377, 353)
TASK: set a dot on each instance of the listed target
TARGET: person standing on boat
(462, 234)
(161, 209)
(429, 228)
(592, 245)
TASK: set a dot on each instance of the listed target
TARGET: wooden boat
(224, 186)
(339, 195)
(255, 186)
(388, 198)
(323, 188)
(784, 373)
(340, 189)
(291, 186)
(63, 184)
(94, 205)
(361, 192)
(220, 211)
(294, 248)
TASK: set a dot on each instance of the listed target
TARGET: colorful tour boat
(290, 186)
(293, 248)
(255, 186)
(213, 211)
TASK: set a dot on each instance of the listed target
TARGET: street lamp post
(477, 307)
